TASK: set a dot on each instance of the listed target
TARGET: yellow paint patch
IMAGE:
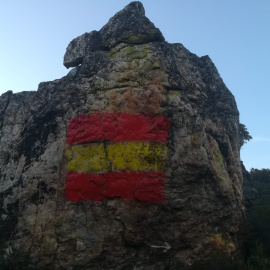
(87, 158)
(137, 156)
(143, 156)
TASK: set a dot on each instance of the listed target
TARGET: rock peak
(130, 25)
(135, 7)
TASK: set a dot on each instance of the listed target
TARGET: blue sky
(235, 34)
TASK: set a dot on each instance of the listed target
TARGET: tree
(243, 134)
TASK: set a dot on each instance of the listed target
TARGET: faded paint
(127, 151)
(142, 186)
(118, 156)
(87, 158)
(137, 156)
(117, 127)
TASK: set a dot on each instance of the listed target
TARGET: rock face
(129, 26)
(162, 191)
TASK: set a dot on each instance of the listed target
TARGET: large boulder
(131, 161)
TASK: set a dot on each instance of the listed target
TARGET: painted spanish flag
(116, 155)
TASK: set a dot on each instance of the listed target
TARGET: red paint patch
(117, 127)
(142, 186)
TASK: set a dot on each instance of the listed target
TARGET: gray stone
(125, 67)
(136, 29)
(81, 46)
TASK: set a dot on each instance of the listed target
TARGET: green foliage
(261, 182)
(243, 134)
(225, 262)
(262, 175)
(221, 261)
(256, 233)
(259, 219)
(258, 262)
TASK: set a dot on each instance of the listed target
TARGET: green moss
(218, 165)
(221, 243)
(100, 85)
(156, 64)
(137, 39)
(231, 245)
(145, 50)
(140, 38)
(162, 75)
(219, 240)
(139, 61)
(119, 51)
(107, 42)
(131, 78)
(130, 52)
(194, 139)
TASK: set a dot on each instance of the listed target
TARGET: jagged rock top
(127, 26)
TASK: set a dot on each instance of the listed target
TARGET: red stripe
(142, 186)
(117, 127)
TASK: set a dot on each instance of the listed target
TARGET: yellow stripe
(137, 156)
(143, 156)
(87, 158)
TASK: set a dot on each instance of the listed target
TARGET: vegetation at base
(255, 233)
(259, 219)
(221, 261)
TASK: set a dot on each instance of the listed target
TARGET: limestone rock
(125, 69)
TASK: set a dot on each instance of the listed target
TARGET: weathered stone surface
(79, 47)
(127, 26)
(126, 67)
(137, 28)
